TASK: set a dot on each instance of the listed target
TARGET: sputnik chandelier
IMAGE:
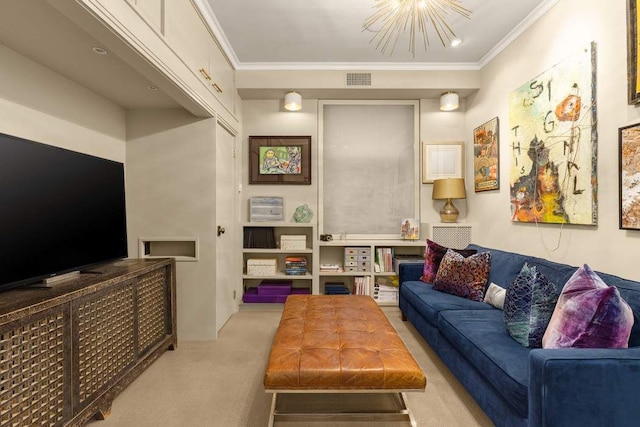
(394, 17)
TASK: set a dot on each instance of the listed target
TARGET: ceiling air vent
(358, 79)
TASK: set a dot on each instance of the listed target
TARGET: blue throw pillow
(528, 306)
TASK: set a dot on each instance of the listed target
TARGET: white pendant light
(293, 101)
(449, 101)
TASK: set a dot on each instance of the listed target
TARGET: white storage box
(261, 267)
(293, 242)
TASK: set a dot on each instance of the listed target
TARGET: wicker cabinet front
(66, 355)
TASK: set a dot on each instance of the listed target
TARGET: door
(226, 218)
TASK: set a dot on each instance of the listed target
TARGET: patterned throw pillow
(464, 277)
(433, 258)
(589, 314)
(528, 306)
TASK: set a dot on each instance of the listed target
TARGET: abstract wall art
(553, 144)
(629, 157)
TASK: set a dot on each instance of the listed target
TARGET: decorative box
(264, 209)
(251, 296)
(293, 242)
(275, 287)
(261, 267)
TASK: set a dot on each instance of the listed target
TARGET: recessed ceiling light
(456, 42)
(99, 50)
(152, 87)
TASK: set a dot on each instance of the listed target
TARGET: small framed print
(442, 160)
(486, 161)
(280, 160)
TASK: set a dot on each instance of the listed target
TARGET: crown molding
(212, 21)
(214, 24)
(527, 22)
(358, 66)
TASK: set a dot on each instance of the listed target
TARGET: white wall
(269, 118)
(38, 104)
(569, 26)
(171, 193)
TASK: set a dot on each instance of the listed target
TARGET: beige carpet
(220, 383)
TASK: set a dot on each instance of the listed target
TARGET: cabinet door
(223, 77)
(189, 37)
(35, 368)
(151, 10)
(104, 341)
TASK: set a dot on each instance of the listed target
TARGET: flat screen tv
(60, 211)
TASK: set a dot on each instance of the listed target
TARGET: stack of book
(385, 293)
(295, 265)
(401, 259)
(361, 285)
(332, 268)
(335, 289)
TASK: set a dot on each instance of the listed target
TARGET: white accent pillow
(495, 295)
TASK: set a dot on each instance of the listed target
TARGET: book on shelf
(384, 260)
(361, 285)
(336, 288)
(335, 268)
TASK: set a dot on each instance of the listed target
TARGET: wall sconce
(447, 189)
(449, 101)
(292, 101)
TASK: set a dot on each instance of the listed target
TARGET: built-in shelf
(180, 248)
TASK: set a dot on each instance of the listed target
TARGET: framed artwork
(442, 160)
(553, 144)
(633, 81)
(629, 160)
(280, 160)
(486, 160)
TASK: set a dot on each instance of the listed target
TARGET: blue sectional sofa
(515, 385)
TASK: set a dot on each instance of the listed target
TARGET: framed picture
(280, 160)
(442, 160)
(629, 160)
(486, 161)
(633, 82)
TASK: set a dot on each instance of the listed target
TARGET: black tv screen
(60, 211)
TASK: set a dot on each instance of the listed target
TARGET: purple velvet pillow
(464, 277)
(589, 314)
(433, 258)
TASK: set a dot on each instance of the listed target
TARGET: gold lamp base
(449, 213)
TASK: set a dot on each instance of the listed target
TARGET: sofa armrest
(584, 387)
(409, 272)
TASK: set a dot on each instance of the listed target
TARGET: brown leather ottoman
(338, 344)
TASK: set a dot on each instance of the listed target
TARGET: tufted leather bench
(338, 344)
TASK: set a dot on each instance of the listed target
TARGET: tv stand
(66, 352)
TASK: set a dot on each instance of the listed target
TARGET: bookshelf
(260, 257)
(333, 253)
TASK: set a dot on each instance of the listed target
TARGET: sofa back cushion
(505, 267)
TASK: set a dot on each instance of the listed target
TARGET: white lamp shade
(449, 101)
(293, 101)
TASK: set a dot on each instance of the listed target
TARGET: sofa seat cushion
(481, 336)
(430, 302)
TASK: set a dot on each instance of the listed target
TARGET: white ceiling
(257, 34)
(328, 33)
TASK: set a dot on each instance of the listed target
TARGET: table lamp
(448, 189)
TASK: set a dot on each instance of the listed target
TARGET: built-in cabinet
(278, 253)
(67, 351)
(190, 37)
(334, 253)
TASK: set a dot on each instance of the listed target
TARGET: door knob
(221, 230)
